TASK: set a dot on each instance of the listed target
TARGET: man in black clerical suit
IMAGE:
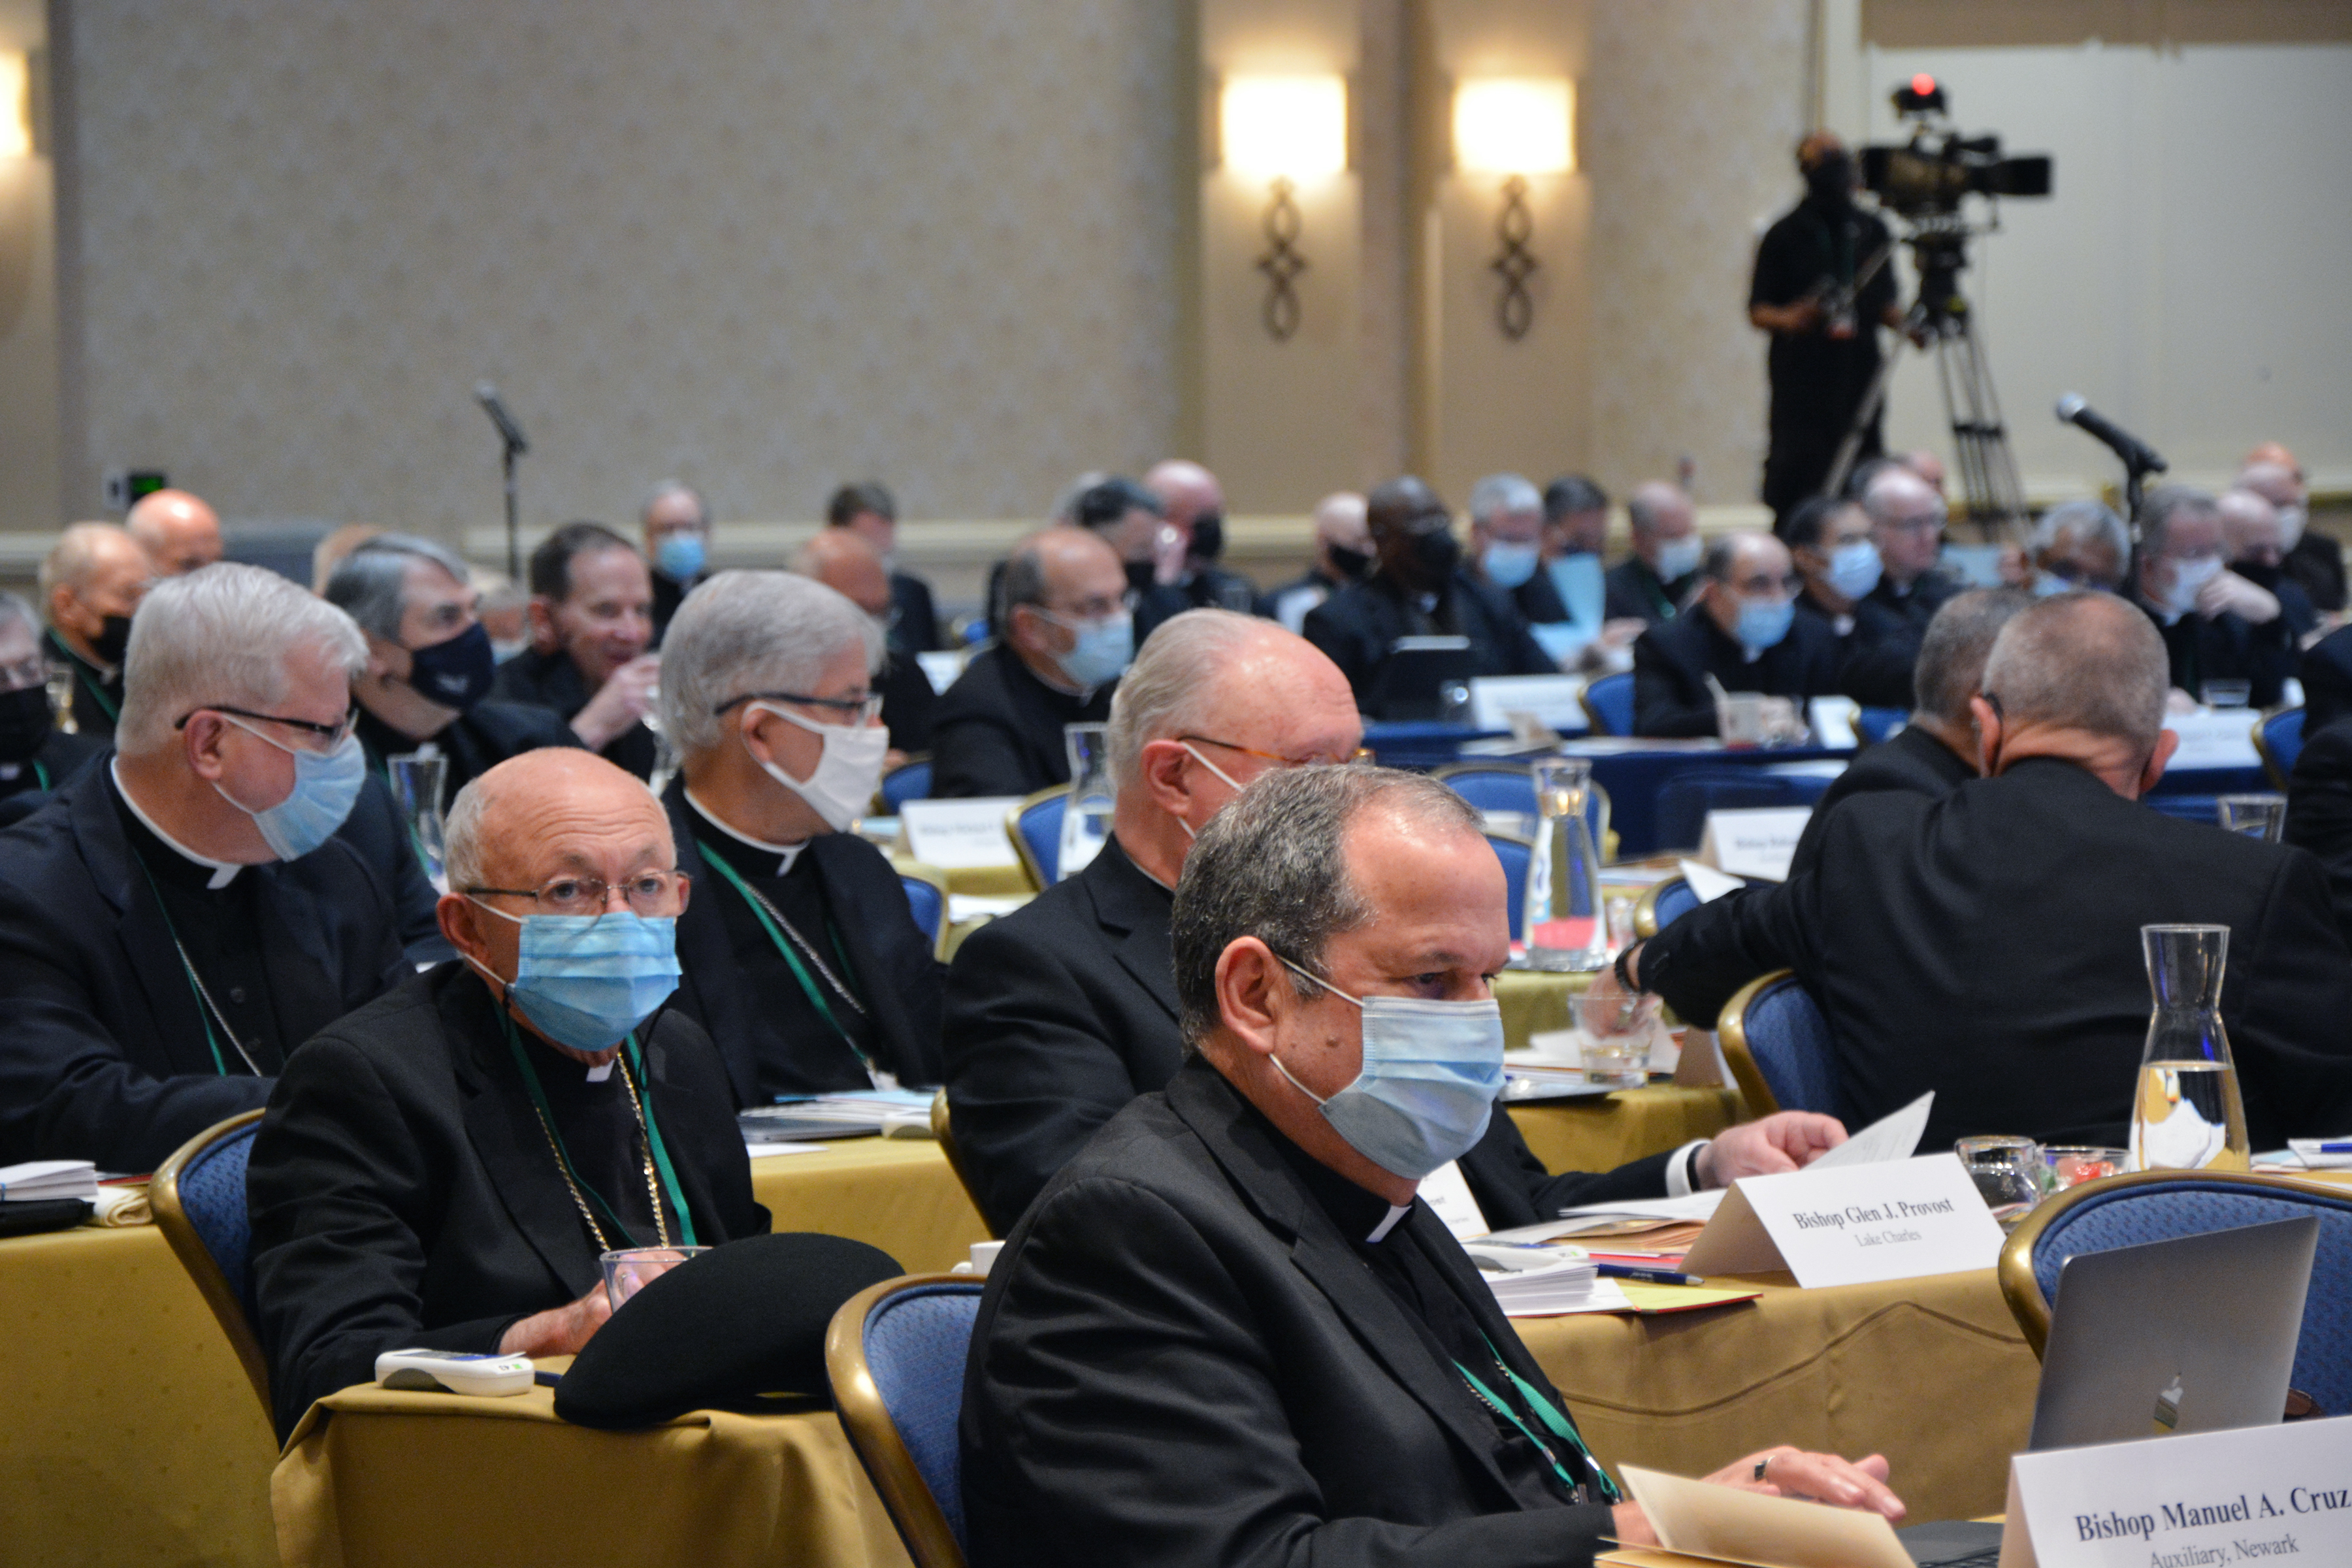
(591, 625)
(674, 523)
(1417, 588)
(91, 584)
(2319, 809)
(2216, 625)
(1906, 529)
(869, 510)
(1652, 584)
(1064, 633)
(182, 917)
(1193, 503)
(36, 758)
(1743, 631)
(1828, 539)
(2314, 559)
(1229, 1331)
(442, 1168)
(1065, 1010)
(845, 563)
(1987, 945)
(1342, 554)
(1936, 751)
(801, 956)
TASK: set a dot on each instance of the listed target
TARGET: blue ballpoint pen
(1646, 1276)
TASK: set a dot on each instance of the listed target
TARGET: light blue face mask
(585, 981)
(1104, 649)
(325, 788)
(1507, 565)
(1854, 568)
(681, 556)
(1431, 1074)
(1764, 622)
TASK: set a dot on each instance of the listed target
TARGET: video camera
(1928, 175)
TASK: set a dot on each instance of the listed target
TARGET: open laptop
(2194, 1335)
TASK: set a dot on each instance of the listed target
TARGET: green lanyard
(631, 1057)
(1552, 1416)
(40, 773)
(204, 1008)
(800, 971)
(1658, 596)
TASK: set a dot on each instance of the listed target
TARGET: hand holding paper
(1785, 1140)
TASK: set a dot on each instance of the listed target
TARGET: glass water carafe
(1085, 817)
(2187, 1114)
(1566, 925)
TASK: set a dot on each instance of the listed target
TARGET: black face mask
(1829, 182)
(1350, 565)
(456, 672)
(1438, 552)
(1208, 536)
(1139, 576)
(24, 722)
(112, 641)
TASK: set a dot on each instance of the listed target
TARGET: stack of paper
(2323, 1153)
(44, 1179)
(847, 1113)
(1540, 1281)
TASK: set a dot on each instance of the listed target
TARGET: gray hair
(461, 837)
(371, 584)
(2083, 661)
(1498, 494)
(1273, 864)
(1887, 482)
(1172, 688)
(2087, 520)
(743, 632)
(2165, 503)
(669, 488)
(1023, 583)
(223, 634)
(72, 557)
(1951, 663)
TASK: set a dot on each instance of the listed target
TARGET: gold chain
(563, 1167)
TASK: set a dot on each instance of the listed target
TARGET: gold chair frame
(1645, 908)
(1038, 882)
(944, 1130)
(874, 1436)
(2263, 747)
(180, 1231)
(1731, 1030)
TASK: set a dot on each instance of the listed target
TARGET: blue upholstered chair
(2204, 808)
(1662, 905)
(2155, 1205)
(895, 1353)
(1778, 1046)
(2278, 740)
(910, 780)
(1515, 854)
(1511, 786)
(198, 1198)
(1609, 703)
(1684, 799)
(1876, 724)
(927, 896)
(1035, 828)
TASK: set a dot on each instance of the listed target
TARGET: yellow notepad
(1649, 1298)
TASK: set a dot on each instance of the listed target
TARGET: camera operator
(1810, 293)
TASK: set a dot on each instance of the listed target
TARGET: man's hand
(2179, 701)
(1782, 721)
(624, 700)
(2250, 602)
(1788, 1472)
(1799, 316)
(559, 1331)
(1785, 1140)
(1604, 986)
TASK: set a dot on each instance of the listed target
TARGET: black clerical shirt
(598, 1123)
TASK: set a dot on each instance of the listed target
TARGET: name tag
(1554, 698)
(1851, 1224)
(2219, 738)
(959, 834)
(1758, 843)
(1447, 1191)
(2261, 1494)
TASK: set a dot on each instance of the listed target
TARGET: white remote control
(446, 1372)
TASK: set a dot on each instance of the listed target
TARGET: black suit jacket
(1910, 760)
(1889, 624)
(58, 763)
(998, 729)
(910, 703)
(1065, 1010)
(2326, 675)
(1358, 627)
(1180, 1359)
(1673, 660)
(104, 1056)
(473, 742)
(889, 957)
(2228, 647)
(403, 1191)
(1986, 946)
(377, 835)
(1875, 671)
(2317, 563)
(2319, 810)
(551, 680)
(917, 628)
(1634, 592)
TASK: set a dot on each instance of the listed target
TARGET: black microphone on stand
(2139, 459)
(511, 434)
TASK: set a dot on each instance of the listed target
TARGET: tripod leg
(1995, 495)
(1867, 411)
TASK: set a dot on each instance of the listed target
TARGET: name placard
(2215, 738)
(1554, 698)
(1851, 1224)
(2261, 1494)
(1755, 843)
(959, 835)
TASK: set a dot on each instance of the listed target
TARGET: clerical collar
(224, 871)
(785, 853)
(1360, 1213)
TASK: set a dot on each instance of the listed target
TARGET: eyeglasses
(648, 893)
(857, 711)
(1930, 523)
(1097, 608)
(332, 735)
(1360, 755)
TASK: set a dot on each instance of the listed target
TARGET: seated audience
(591, 623)
(1507, 548)
(1907, 528)
(801, 956)
(2080, 544)
(1063, 1011)
(2257, 547)
(1228, 1331)
(179, 532)
(676, 522)
(442, 1169)
(1343, 554)
(1743, 631)
(1417, 588)
(1829, 540)
(177, 920)
(1575, 532)
(845, 563)
(1987, 945)
(90, 584)
(2216, 625)
(1151, 550)
(1936, 751)
(1654, 586)
(2319, 805)
(36, 756)
(1194, 505)
(2314, 559)
(871, 512)
(1064, 633)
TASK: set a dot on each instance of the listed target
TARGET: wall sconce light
(1284, 129)
(16, 108)
(1515, 126)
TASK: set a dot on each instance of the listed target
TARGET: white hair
(753, 631)
(1498, 495)
(223, 634)
(461, 837)
(74, 557)
(1172, 689)
(2081, 520)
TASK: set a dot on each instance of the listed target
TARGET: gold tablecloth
(374, 1477)
(1603, 1132)
(1931, 1372)
(896, 1193)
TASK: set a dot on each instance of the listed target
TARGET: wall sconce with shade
(1282, 129)
(1515, 126)
(16, 106)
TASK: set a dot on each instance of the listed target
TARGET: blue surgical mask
(2048, 586)
(1507, 565)
(585, 981)
(1764, 622)
(1432, 1072)
(1103, 649)
(1678, 558)
(325, 788)
(1854, 568)
(681, 556)
(2189, 577)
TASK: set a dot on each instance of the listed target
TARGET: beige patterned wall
(767, 246)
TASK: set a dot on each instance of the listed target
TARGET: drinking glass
(60, 677)
(2007, 1172)
(2226, 693)
(1086, 818)
(1739, 717)
(2259, 816)
(1619, 1031)
(417, 784)
(2069, 1165)
(630, 1268)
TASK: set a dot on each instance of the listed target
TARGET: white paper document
(1707, 882)
(2215, 738)
(1755, 843)
(1851, 1224)
(959, 834)
(1700, 1520)
(1554, 698)
(1895, 1136)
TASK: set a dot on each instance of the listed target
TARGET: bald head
(1339, 520)
(551, 813)
(2087, 663)
(2277, 483)
(1185, 489)
(1658, 508)
(2275, 454)
(846, 563)
(179, 533)
(2249, 527)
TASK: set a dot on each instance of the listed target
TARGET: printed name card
(2257, 1495)
(1851, 1224)
(1554, 698)
(2215, 738)
(959, 834)
(1758, 843)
